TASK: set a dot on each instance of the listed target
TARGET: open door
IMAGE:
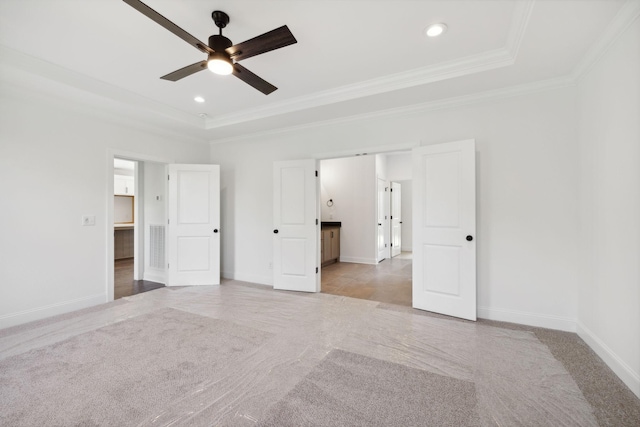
(296, 240)
(383, 230)
(444, 215)
(194, 225)
(396, 219)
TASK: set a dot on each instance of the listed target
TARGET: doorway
(137, 209)
(355, 194)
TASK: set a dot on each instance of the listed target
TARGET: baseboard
(248, 277)
(617, 365)
(530, 319)
(152, 276)
(358, 260)
(20, 317)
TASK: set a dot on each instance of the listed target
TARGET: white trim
(36, 66)
(628, 13)
(105, 112)
(129, 155)
(441, 104)
(155, 276)
(20, 317)
(368, 151)
(526, 318)
(358, 260)
(421, 76)
(521, 15)
(617, 365)
(472, 64)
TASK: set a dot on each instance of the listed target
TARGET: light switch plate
(88, 220)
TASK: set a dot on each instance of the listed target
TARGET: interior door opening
(356, 203)
(353, 194)
(138, 220)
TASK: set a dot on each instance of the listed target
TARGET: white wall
(54, 168)
(155, 179)
(527, 195)
(351, 183)
(609, 297)
(399, 166)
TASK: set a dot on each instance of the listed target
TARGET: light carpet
(348, 389)
(121, 374)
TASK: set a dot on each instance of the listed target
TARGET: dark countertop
(328, 224)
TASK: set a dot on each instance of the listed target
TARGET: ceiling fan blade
(186, 71)
(152, 14)
(251, 79)
(274, 39)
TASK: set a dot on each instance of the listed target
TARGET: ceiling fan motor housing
(219, 42)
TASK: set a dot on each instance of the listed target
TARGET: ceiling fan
(223, 56)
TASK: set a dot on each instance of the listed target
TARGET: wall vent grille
(156, 241)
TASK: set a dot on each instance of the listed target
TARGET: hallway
(387, 282)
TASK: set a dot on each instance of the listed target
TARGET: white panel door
(396, 219)
(194, 225)
(296, 238)
(444, 215)
(383, 203)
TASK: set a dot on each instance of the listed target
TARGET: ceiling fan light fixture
(434, 30)
(220, 64)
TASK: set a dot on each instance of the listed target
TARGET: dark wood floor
(388, 281)
(124, 285)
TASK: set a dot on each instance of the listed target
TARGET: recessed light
(199, 99)
(435, 30)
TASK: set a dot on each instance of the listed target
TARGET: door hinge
(391, 216)
(316, 221)
(167, 221)
(391, 244)
(316, 173)
(168, 266)
(316, 270)
(168, 177)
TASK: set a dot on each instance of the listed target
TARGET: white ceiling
(353, 57)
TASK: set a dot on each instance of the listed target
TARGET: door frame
(139, 229)
(383, 150)
(391, 231)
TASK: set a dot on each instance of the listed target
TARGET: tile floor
(386, 282)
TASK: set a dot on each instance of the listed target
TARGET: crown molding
(448, 103)
(521, 15)
(21, 88)
(627, 15)
(497, 58)
(29, 64)
(469, 65)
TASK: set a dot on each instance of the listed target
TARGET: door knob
(379, 224)
(275, 231)
(469, 238)
(215, 230)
